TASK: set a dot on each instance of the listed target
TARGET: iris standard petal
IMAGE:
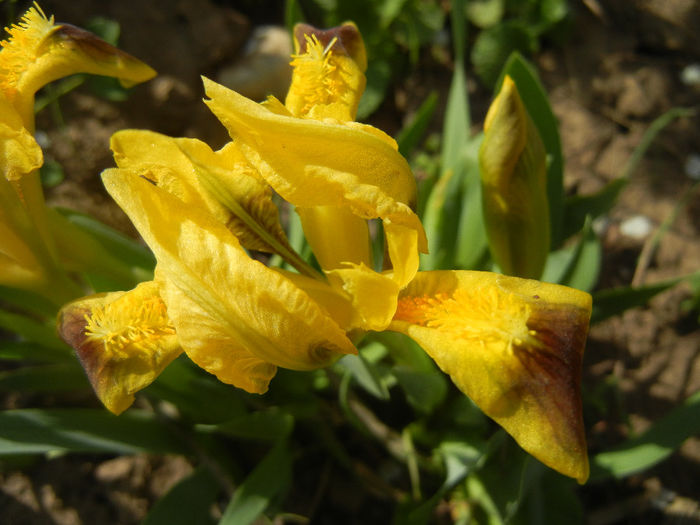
(515, 347)
(327, 163)
(223, 182)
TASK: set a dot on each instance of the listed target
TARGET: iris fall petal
(515, 347)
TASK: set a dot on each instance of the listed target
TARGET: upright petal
(328, 77)
(222, 182)
(124, 340)
(327, 163)
(226, 307)
(515, 347)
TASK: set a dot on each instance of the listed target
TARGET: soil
(619, 69)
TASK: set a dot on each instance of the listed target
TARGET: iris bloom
(36, 53)
(513, 345)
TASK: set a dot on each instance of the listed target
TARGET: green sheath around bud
(513, 167)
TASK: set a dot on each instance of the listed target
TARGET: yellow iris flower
(37, 52)
(513, 345)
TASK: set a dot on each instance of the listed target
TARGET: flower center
(123, 323)
(22, 47)
(483, 315)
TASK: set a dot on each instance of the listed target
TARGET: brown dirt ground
(617, 72)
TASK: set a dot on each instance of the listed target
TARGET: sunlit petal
(328, 78)
(124, 340)
(247, 305)
(326, 163)
(213, 180)
(515, 347)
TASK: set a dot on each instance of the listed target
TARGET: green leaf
(33, 352)
(292, 14)
(551, 499)
(189, 501)
(45, 378)
(129, 250)
(536, 101)
(494, 45)
(613, 301)
(266, 425)
(28, 301)
(365, 373)
(472, 242)
(51, 173)
(455, 131)
(269, 479)
(578, 207)
(190, 389)
(460, 459)
(578, 265)
(425, 391)
(653, 446)
(389, 10)
(485, 13)
(443, 207)
(378, 77)
(32, 331)
(37, 431)
(411, 134)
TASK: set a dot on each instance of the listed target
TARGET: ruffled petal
(243, 303)
(328, 163)
(328, 78)
(515, 347)
(19, 152)
(124, 340)
(223, 182)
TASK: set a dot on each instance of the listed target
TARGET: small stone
(637, 227)
(690, 75)
(692, 166)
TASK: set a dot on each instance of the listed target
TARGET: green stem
(227, 199)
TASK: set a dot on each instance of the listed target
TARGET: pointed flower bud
(514, 187)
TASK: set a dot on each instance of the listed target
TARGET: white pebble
(637, 227)
(692, 166)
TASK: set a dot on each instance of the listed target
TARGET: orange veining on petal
(483, 315)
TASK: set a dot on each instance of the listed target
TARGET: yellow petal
(221, 182)
(19, 152)
(336, 236)
(242, 302)
(515, 347)
(373, 295)
(124, 340)
(325, 163)
(328, 77)
(38, 52)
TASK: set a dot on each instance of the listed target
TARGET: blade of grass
(653, 446)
